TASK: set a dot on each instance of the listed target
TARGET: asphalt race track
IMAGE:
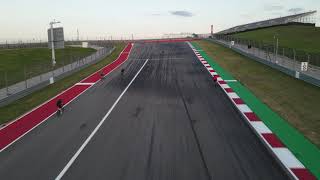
(167, 121)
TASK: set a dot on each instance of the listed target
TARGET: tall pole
(52, 46)
(52, 42)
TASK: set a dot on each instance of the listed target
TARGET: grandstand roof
(298, 18)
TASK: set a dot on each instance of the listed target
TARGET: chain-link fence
(288, 60)
(275, 49)
(14, 82)
(44, 44)
(21, 44)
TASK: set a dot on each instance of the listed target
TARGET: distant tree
(195, 35)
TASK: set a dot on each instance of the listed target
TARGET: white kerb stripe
(219, 79)
(260, 127)
(244, 108)
(224, 86)
(210, 68)
(232, 95)
(287, 158)
(213, 73)
(64, 170)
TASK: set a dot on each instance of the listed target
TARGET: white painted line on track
(85, 84)
(74, 157)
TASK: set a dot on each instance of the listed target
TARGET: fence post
(25, 76)
(71, 62)
(6, 82)
(41, 74)
(294, 59)
(308, 60)
(53, 72)
(63, 66)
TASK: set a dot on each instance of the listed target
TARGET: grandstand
(306, 18)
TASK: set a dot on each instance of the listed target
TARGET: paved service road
(171, 123)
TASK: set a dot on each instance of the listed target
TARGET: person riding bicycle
(215, 79)
(122, 72)
(102, 74)
(60, 105)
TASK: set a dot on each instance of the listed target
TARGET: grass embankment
(295, 100)
(25, 104)
(306, 38)
(30, 62)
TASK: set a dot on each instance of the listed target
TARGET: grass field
(304, 38)
(35, 61)
(25, 104)
(294, 100)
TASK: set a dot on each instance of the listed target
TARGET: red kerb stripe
(273, 140)
(303, 174)
(238, 101)
(229, 90)
(252, 116)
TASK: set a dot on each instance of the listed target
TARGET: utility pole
(52, 42)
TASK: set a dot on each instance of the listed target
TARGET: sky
(101, 19)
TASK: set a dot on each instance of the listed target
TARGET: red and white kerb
(280, 151)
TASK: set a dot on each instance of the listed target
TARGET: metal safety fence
(13, 83)
(274, 49)
(297, 63)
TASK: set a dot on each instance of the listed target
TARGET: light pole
(52, 42)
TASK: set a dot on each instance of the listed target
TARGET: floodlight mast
(52, 42)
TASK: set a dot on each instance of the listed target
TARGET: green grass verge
(34, 61)
(267, 91)
(25, 104)
(304, 38)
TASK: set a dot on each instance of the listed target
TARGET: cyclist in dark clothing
(101, 74)
(60, 106)
(122, 72)
(215, 81)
